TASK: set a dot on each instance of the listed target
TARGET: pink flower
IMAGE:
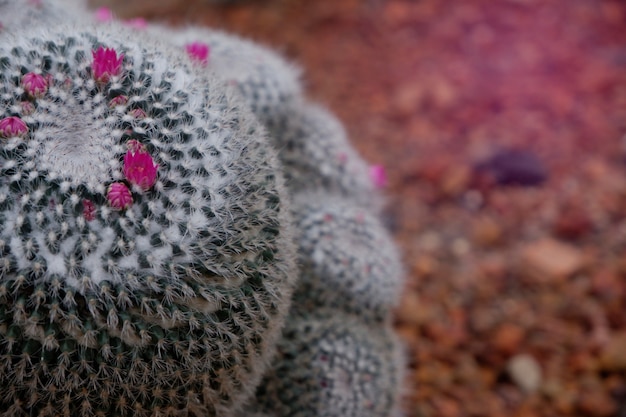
(89, 210)
(106, 64)
(119, 196)
(35, 85)
(104, 14)
(378, 176)
(198, 52)
(139, 167)
(12, 126)
(118, 101)
(138, 23)
(138, 114)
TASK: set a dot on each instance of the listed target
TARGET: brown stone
(596, 403)
(486, 232)
(573, 223)
(411, 311)
(507, 338)
(613, 356)
(549, 260)
(455, 180)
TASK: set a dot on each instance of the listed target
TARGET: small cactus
(145, 256)
(348, 260)
(333, 365)
(317, 156)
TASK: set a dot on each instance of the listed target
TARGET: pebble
(596, 403)
(487, 232)
(550, 260)
(613, 356)
(525, 372)
(514, 167)
(573, 223)
(507, 338)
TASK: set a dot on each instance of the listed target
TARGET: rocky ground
(502, 128)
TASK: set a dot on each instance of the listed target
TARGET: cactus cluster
(157, 190)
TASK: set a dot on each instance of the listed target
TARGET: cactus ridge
(170, 306)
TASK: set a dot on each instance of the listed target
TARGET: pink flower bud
(139, 167)
(138, 23)
(104, 14)
(135, 146)
(118, 101)
(106, 64)
(198, 52)
(119, 196)
(89, 210)
(378, 176)
(35, 85)
(28, 108)
(12, 126)
(138, 114)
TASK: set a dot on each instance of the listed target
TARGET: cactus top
(102, 95)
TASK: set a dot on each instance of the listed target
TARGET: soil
(516, 294)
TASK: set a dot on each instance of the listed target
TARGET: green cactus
(146, 262)
(331, 364)
(348, 260)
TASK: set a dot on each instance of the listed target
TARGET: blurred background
(502, 129)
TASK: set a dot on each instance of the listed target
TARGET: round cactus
(316, 155)
(333, 365)
(268, 83)
(348, 260)
(145, 255)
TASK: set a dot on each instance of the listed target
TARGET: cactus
(317, 156)
(347, 258)
(146, 262)
(333, 365)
